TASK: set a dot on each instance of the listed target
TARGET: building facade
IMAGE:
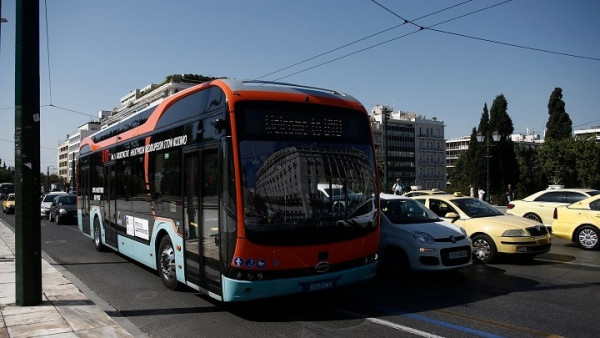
(409, 147)
(593, 133)
(139, 99)
(454, 148)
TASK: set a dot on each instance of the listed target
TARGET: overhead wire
(483, 39)
(420, 28)
(362, 39)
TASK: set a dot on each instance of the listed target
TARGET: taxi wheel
(533, 216)
(484, 249)
(395, 262)
(587, 237)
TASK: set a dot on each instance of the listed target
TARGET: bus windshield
(307, 173)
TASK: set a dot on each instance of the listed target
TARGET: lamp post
(481, 138)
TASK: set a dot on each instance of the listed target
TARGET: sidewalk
(65, 310)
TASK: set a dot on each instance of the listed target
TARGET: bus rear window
(275, 120)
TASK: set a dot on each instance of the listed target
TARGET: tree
(556, 159)
(587, 162)
(484, 121)
(503, 161)
(467, 168)
(559, 125)
(531, 178)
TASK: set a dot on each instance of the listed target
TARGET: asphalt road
(555, 294)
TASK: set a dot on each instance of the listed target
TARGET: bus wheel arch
(165, 261)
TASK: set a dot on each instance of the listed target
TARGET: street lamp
(481, 138)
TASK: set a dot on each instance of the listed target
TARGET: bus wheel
(166, 263)
(97, 240)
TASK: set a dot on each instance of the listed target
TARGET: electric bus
(222, 187)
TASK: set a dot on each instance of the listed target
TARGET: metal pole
(487, 168)
(28, 258)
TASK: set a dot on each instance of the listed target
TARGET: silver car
(47, 202)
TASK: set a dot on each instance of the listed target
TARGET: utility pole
(28, 255)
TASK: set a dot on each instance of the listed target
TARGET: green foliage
(556, 159)
(499, 119)
(587, 163)
(7, 174)
(469, 168)
(531, 178)
(559, 125)
(484, 121)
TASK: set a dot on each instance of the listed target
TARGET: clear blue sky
(101, 50)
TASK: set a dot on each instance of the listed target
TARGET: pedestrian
(481, 193)
(398, 188)
(510, 193)
(472, 190)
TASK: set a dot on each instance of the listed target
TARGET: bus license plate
(458, 254)
(320, 286)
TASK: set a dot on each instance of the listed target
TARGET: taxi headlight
(515, 233)
(423, 237)
(62, 211)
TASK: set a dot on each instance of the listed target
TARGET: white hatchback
(414, 238)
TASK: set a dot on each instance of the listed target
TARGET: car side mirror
(452, 215)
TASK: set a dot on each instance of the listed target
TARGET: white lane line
(392, 325)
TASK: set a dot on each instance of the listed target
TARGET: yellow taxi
(579, 222)
(8, 204)
(540, 206)
(491, 231)
(414, 193)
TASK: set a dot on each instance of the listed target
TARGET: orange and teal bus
(238, 189)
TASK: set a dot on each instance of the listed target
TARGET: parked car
(47, 201)
(579, 222)
(63, 208)
(414, 193)
(540, 206)
(491, 231)
(414, 238)
(8, 204)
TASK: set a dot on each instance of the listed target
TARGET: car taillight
(510, 206)
(555, 214)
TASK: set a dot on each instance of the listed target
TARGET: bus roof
(247, 88)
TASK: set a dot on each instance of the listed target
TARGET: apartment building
(409, 147)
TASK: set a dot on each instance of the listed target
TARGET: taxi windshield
(476, 208)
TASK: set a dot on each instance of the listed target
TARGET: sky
(94, 52)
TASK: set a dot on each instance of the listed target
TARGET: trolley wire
(480, 38)
(362, 39)
(420, 28)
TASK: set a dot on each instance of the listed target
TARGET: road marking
(391, 325)
(568, 263)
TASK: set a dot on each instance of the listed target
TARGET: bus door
(84, 199)
(201, 219)
(110, 204)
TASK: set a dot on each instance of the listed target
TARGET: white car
(414, 238)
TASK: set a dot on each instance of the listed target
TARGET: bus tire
(97, 240)
(166, 263)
